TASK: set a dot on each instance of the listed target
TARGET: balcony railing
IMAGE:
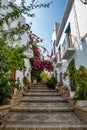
(68, 47)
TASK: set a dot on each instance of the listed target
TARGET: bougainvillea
(39, 62)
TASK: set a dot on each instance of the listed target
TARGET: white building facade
(71, 40)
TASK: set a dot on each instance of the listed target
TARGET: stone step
(40, 88)
(26, 109)
(40, 85)
(47, 100)
(42, 97)
(48, 90)
(43, 107)
(49, 93)
(43, 121)
(38, 127)
(41, 94)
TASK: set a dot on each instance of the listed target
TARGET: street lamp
(84, 1)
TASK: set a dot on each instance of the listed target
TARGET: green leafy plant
(25, 80)
(52, 82)
(35, 74)
(80, 78)
(5, 90)
(44, 76)
(71, 71)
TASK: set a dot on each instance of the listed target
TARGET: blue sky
(43, 22)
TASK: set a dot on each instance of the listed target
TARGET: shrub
(5, 92)
(71, 71)
(52, 82)
(80, 78)
(44, 76)
(25, 80)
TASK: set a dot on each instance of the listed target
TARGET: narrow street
(43, 42)
(42, 109)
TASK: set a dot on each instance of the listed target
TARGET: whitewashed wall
(81, 11)
(78, 24)
(78, 30)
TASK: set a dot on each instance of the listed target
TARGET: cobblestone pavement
(50, 113)
(44, 119)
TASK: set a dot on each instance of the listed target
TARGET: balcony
(68, 48)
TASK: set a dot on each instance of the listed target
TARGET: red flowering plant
(38, 62)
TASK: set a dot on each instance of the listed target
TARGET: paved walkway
(42, 109)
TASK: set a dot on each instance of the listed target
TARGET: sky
(44, 20)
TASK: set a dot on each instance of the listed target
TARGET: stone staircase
(42, 109)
